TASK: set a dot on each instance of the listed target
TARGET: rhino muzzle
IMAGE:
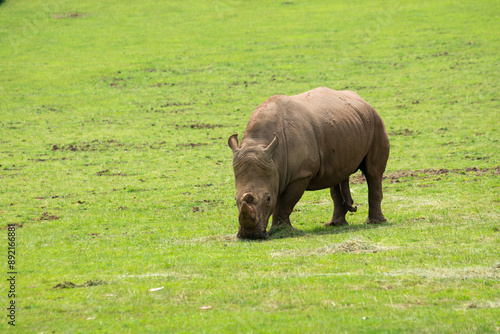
(250, 227)
(252, 235)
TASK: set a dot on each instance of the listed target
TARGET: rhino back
(336, 129)
(324, 134)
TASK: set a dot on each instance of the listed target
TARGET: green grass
(114, 118)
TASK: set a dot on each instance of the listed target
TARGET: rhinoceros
(311, 141)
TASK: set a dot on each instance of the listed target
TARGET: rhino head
(256, 176)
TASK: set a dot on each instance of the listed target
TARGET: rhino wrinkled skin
(310, 141)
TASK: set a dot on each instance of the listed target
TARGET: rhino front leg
(340, 209)
(286, 203)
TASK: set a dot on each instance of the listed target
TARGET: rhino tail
(346, 195)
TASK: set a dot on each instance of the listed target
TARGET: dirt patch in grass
(192, 145)
(87, 146)
(482, 305)
(54, 159)
(106, 172)
(72, 15)
(176, 104)
(404, 132)
(105, 145)
(14, 224)
(46, 216)
(199, 126)
(13, 167)
(204, 185)
(71, 147)
(64, 285)
(71, 285)
(425, 173)
(161, 84)
(206, 203)
(475, 158)
(245, 83)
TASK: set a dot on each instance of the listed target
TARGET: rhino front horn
(247, 216)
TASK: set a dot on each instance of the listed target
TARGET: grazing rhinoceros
(309, 141)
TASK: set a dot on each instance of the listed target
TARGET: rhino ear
(272, 146)
(233, 142)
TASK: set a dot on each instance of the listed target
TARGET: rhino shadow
(292, 232)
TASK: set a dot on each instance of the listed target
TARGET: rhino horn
(247, 216)
(272, 146)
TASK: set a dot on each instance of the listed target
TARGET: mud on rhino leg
(340, 208)
(286, 203)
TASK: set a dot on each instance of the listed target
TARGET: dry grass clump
(350, 246)
(354, 246)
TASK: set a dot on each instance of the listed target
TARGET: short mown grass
(114, 118)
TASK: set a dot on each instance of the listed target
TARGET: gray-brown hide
(309, 141)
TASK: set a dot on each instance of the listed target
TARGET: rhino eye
(268, 199)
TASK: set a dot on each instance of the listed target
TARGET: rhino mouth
(253, 234)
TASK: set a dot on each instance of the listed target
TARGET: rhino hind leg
(340, 208)
(373, 167)
(375, 214)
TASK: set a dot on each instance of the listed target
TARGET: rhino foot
(285, 231)
(337, 222)
(281, 227)
(376, 220)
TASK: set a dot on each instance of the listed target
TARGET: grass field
(114, 167)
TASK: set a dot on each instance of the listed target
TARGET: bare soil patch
(425, 173)
(192, 145)
(46, 216)
(199, 126)
(71, 147)
(107, 172)
(404, 132)
(71, 285)
(88, 146)
(104, 145)
(15, 224)
(72, 15)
